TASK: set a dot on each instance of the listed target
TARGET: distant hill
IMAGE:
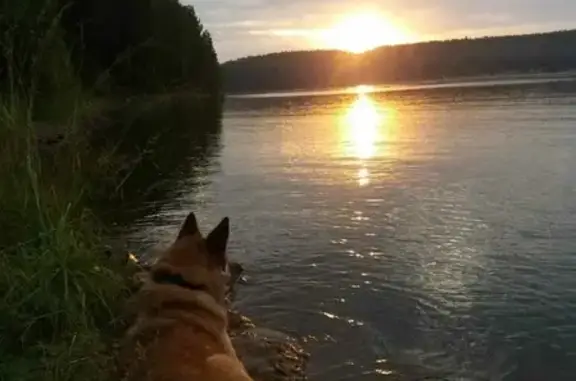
(541, 53)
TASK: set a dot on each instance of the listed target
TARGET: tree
(117, 45)
(548, 52)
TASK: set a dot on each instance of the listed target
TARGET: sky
(248, 27)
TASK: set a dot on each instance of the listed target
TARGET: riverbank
(63, 300)
(62, 312)
(76, 87)
(61, 296)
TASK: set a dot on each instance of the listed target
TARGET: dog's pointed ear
(217, 241)
(190, 226)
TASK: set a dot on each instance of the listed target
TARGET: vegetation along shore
(68, 71)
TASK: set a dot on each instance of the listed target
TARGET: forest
(436, 60)
(106, 45)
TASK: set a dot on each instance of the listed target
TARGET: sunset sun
(362, 32)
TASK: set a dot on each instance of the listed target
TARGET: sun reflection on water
(363, 122)
(365, 126)
(363, 177)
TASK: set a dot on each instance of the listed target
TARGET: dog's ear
(190, 226)
(217, 241)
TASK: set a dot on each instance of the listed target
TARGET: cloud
(287, 32)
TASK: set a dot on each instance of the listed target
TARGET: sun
(362, 32)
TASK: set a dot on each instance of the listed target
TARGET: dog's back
(180, 328)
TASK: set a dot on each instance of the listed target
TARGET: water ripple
(421, 237)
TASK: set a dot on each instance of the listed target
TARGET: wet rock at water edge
(270, 355)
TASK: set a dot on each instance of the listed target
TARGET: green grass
(60, 298)
(60, 295)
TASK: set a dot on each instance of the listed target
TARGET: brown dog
(181, 317)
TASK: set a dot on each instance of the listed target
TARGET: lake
(407, 234)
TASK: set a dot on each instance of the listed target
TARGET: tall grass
(58, 294)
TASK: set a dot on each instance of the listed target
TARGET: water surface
(423, 233)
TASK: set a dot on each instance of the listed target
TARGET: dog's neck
(177, 280)
(197, 286)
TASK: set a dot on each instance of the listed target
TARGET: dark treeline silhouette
(145, 43)
(547, 52)
(112, 45)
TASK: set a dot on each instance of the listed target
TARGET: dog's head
(194, 261)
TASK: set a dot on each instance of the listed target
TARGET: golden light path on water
(371, 132)
(366, 129)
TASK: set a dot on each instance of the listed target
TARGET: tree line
(108, 45)
(546, 52)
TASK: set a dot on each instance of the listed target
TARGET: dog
(180, 327)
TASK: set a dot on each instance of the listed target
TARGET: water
(413, 234)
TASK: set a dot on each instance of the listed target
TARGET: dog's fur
(181, 317)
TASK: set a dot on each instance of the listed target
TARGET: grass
(61, 296)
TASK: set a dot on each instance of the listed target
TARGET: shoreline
(405, 86)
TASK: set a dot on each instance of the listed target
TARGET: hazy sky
(247, 27)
